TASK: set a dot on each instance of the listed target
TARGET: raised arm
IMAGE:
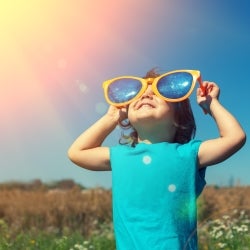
(231, 135)
(86, 151)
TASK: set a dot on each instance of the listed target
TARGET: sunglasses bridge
(149, 80)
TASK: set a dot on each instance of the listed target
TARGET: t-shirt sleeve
(116, 153)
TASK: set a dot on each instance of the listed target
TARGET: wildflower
(32, 242)
(244, 228)
(221, 245)
(242, 213)
(247, 221)
(7, 236)
(79, 247)
(235, 211)
(218, 235)
(226, 217)
(229, 234)
(85, 242)
(217, 221)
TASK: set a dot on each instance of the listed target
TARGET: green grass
(42, 241)
(229, 232)
(50, 241)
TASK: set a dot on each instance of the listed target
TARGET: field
(66, 216)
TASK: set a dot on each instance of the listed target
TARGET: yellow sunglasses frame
(153, 82)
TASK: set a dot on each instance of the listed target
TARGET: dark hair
(184, 121)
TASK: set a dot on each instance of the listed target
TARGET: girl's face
(150, 109)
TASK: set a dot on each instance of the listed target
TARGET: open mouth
(145, 105)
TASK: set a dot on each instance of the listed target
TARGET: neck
(155, 135)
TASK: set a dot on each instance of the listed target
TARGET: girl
(158, 175)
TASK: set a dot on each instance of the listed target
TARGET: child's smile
(145, 104)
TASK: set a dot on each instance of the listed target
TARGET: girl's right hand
(117, 114)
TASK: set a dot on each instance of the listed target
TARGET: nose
(148, 93)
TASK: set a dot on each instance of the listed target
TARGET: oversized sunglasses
(173, 86)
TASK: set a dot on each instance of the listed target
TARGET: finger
(201, 91)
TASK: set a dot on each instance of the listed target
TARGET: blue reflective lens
(123, 90)
(175, 85)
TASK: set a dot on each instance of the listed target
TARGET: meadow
(66, 216)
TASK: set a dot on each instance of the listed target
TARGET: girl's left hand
(204, 98)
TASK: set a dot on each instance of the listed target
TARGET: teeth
(146, 105)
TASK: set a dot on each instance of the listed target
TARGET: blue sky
(56, 54)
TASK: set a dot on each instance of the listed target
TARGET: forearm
(87, 150)
(227, 124)
(231, 135)
(94, 135)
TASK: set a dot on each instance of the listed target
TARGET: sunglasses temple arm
(201, 86)
(203, 91)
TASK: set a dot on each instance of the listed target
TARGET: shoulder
(190, 147)
(120, 149)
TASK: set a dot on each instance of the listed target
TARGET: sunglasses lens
(123, 90)
(175, 85)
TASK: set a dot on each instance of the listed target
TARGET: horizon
(55, 56)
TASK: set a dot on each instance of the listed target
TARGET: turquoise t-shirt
(155, 187)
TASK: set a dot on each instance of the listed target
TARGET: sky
(55, 54)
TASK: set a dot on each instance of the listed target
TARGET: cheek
(130, 114)
(168, 107)
(168, 111)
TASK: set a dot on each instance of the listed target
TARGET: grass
(39, 240)
(228, 232)
(81, 219)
